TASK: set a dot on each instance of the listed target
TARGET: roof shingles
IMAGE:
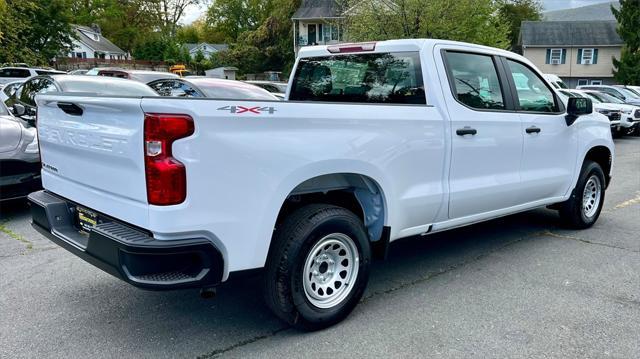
(569, 33)
(103, 45)
(317, 9)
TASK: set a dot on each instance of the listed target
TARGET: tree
(126, 23)
(474, 21)
(514, 12)
(265, 44)
(627, 68)
(171, 12)
(35, 31)
(232, 17)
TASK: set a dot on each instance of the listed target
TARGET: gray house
(206, 48)
(580, 52)
(317, 22)
(90, 44)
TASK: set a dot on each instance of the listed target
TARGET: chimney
(96, 29)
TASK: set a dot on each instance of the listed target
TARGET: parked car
(210, 87)
(9, 89)
(612, 112)
(10, 74)
(630, 115)
(556, 81)
(23, 103)
(19, 157)
(279, 89)
(137, 75)
(623, 94)
(380, 141)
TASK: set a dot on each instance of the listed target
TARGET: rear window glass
(365, 78)
(20, 73)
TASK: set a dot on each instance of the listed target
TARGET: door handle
(533, 129)
(466, 130)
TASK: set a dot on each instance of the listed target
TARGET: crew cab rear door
(486, 135)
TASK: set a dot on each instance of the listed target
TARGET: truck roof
(398, 45)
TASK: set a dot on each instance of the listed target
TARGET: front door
(486, 136)
(311, 34)
(550, 146)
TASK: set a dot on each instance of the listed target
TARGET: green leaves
(34, 31)
(473, 21)
(627, 68)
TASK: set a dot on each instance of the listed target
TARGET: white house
(317, 22)
(206, 48)
(90, 44)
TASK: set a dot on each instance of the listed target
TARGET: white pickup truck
(375, 142)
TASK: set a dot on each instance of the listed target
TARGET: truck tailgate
(92, 153)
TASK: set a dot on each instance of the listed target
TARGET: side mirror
(577, 107)
(19, 110)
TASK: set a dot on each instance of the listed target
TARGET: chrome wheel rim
(330, 270)
(591, 196)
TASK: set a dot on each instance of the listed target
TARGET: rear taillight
(166, 176)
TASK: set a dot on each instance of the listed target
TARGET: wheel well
(602, 156)
(357, 193)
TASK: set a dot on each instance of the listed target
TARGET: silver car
(19, 157)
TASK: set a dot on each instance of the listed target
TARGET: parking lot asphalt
(519, 286)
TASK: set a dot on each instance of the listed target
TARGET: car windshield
(593, 98)
(627, 92)
(631, 91)
(603, 97)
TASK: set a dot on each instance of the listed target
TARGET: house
(580, 52)
(207, 49)
(90, 44)
(596, 12)
(317, 22)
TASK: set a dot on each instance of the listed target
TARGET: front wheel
(318, 266)
(583, 208)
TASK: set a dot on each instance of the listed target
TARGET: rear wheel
(583, 208)
(318, 266)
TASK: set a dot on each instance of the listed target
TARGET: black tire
(572, 211)
(292, 242)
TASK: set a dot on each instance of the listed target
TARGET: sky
(194, 12)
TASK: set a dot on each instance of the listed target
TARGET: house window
(331, 33)
(556, 56)
(583, 82)
(587, 56)
(79, 55)
(596, 82)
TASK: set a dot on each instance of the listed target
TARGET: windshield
(593, 98)
(603, 97)
(632, 91)
(627, 92)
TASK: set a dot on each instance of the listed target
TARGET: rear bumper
(126, 252)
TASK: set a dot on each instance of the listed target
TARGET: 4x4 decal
(243, 109)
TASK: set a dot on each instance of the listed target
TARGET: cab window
(533, 93)
(474, 80)
(360, 78)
